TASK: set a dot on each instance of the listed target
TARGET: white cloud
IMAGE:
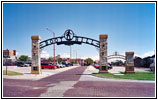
(45, 54)
(65, 55)
(146, 54)
(150, 53)
(93, 57)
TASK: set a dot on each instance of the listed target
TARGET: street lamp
(70, 54)
(76, 53)
(53, 41)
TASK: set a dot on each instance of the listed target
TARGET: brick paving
(111, 89)
(58, 85)
(28, 88)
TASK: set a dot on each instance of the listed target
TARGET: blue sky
(130, 26)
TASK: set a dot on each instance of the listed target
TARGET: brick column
(103, 68)
(36, 57)
(129, 62)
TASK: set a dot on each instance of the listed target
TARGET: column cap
(35, 37)
(103, 36)
(129, 53)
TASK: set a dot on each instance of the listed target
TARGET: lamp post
(53, 41)
(75, 51)
(70, 54)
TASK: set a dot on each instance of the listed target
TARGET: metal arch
(75, 40)
(50, 41)
(116, 56)
(86, 40)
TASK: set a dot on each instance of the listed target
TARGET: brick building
(9, 52)
(9, 56)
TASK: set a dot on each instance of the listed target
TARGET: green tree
(60, 60)
(89, 61)
(23, 58)
(50, 58)
(73, 61)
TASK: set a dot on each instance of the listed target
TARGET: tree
(89, 61)
(23, 58)
(117, 63)
(146, 62)
(59, 60)
(138, 62)
(74, 62)
(50, 58)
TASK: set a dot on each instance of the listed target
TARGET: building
(138, 62)
(9, 52)
(9, 56)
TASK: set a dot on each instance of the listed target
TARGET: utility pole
(53, 42)
(70, 54)
(75, 52)
(76, 56)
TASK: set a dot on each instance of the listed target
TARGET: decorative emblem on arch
(69, 34)
(69, 38)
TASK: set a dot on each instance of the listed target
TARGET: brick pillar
(103, 68)
(129, 62)
(36, 57)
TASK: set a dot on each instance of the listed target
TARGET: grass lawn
(11, 73)
(135, 76)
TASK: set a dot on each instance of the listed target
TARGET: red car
(96, 66)
(48, 66)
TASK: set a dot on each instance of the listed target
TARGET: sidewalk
(27, 72)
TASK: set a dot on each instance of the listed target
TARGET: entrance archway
(69, 38)
(116, 55)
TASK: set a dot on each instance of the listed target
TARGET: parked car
(61, 65)
(26, 65)
(9, 64)
(47, 66)
(29, 63)
(65, 64)
(109, 66)
(57, 65)
(96, 66)
(71, 64)
(20, 64)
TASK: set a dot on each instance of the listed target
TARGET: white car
(26, 65)
(62, 65)
(59, 65)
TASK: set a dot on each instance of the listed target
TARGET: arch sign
(69, 38)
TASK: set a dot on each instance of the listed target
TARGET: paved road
(73, 83)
